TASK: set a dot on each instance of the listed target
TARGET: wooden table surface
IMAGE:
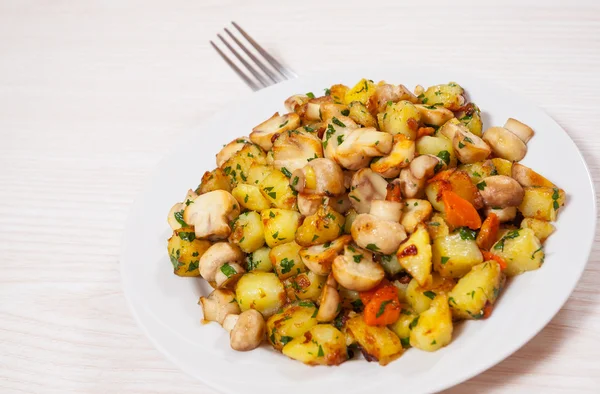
(94, 93)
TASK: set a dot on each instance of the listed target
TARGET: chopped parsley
(286, 265)
(357, 258)
(429, 294)
(271, 214)
(337, 122)
(355, 198)
(460, 145)
(413, 323)
(286, 172)
(320, 354)
(345, 112)
(285, 339)
(467, 234)
(179, 218)
(314, 238)
(467, 139)
(357, 305)
(373, 247)
(340, 139)
(481, 185)
(283, 124)
(310, 95)
(537, 250)
(187, 236)
(228, 270)
(445, 259)
(405, 342)
(555, 196)
(382, 308)
(444, 155)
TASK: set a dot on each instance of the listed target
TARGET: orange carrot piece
(460, 212)
(490, 256)
(489, 231)
(384, 308)
(487, 310)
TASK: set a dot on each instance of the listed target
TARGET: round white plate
(165, 305)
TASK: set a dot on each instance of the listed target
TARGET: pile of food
(371, 218)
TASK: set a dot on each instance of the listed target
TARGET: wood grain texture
(92, 94)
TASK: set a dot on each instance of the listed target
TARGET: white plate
(165, 305)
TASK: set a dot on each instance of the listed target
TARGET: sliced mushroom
(434, 115)
(505, 144)
(248, 332)
(211, 213)
(451, 127)
(176, 213)
(330, 110)
(386, 210)
(360, 145)
(386, 93)
(335, 133)
(329, 302)
(504, 214)
(366, 187)
(521, 130)
(216, 256)
(263, 133)
(219, 304)
(309, 203)
(296, 101)
(411, 186)
(500, 191)
(228, 275)
(293, 149)
(469, 148)
(356, 270)
(318, 258)
(320, 177)
(415, 211)
(402, 153)
(384, 236)
(231, 149)
(313, 107)
(425, 166)
(527, 177)
(230, 321)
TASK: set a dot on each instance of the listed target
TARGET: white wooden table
(92, 95)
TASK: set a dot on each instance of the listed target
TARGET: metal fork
(260, 81)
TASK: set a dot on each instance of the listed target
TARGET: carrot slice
(490, 256)
(489, 231)
(367, 296)
(487, 310)
(460, 212)
(384, 308)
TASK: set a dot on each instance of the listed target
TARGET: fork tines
(270, 75)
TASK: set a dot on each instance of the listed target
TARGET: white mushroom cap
(505, 144)
(228, 274)
(211, 213)
(366, 187)
(219, 304)
(231, 149)
(319, 176)
(527, 177)
(248, 332)
(500, 191)
(521, 130)
(359, 276)
(386, 235)
(329, 303)
(216, 256)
